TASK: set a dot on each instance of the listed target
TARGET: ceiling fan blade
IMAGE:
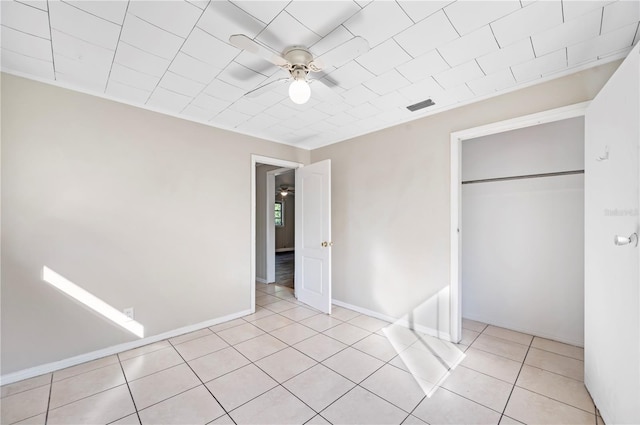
(265, 88)
(343, 53)
(324, 92)
(243, 42)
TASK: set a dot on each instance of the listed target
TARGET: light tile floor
(288, 364)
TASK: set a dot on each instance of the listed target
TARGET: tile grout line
(46, 417)
(201, 381)
(135, 407)
(516, 380)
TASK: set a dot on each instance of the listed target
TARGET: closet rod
(528, 176)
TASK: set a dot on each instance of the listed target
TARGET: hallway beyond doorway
(285, 268)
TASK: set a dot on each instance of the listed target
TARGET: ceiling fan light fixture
(299, 91)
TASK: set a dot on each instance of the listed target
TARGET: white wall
(391, 201)
(523, 240)
(612, 283)
(134, 206)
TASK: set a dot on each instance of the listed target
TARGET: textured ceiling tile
(210, 103)
(386, 83)
(513, 54)
(364, 111)
(131, 77)
(26, 44)
(229, 118)
(322, 17)
(202, 45)
(266, 11)
(423, 66)
(111, 10)
(427, 35)
(470, 46)
(83, 25)
(241, 76)
(127, 93)
(384, 57)
(421, 91)
(150, 38)
(574, 9)
(527, 21)
(38, 4)
(366, 23)
(358, 95)
(390, 100)
(193, 68)
(167, 100)
(224, 91)
(140, 60)
(492, 82)
(459, 75)
(26, 65)
(223, 19)
(180, 84)
(176, 17)
(418, 10)
(25, 18)
(350, 75)
(467, 16)
(198, 113)
(620, 14)
(572, 32)
(284, 32)
(334, 39)
(540, 66)
(612, 41)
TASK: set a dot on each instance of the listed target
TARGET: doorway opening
(285, 225)
(264, 172)
(572, 111)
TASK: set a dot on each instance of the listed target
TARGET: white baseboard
(396, 321)
(285, 249)
(93, 355)
(527, 331)
(261, 280)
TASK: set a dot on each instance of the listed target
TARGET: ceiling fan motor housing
(299, 58)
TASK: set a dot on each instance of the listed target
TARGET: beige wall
(285, 235)
(135, 207)
(391, 206)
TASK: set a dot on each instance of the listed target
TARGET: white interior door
(612, 297)
(313, 235)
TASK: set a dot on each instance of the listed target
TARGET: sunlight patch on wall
(91, 301)
(428, 359)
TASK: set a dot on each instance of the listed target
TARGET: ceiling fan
(297, 61)
(286, 190)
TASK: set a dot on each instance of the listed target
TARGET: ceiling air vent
(420, 105)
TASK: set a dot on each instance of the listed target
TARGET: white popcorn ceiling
(174, 56)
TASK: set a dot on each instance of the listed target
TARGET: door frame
(270, 239)
(455, 284)
(259, 159)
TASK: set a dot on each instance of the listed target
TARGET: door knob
(623, 240)
(326, 244)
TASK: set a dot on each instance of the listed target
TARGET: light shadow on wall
(91, 301)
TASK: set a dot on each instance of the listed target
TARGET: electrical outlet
(128, 312)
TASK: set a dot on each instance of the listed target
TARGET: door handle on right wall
(623, 240)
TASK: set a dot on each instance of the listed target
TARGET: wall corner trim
(93, 355)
